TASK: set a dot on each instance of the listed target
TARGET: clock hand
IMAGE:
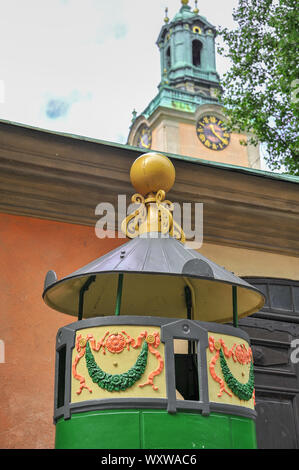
(143, 143)
(215, 133)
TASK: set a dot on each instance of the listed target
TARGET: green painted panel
(154, 429)
(243, 433)
(99, 430)
(161, 430)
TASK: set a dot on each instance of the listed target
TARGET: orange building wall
(29, 248)
(181, 138)
(234, 153)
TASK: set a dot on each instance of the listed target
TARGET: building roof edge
(194, 160)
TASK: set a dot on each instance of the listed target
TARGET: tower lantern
(187, 49)
(186, 117)
(149, 363)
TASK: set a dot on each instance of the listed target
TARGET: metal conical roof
(156, 271)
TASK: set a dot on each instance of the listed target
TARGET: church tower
(186, 117)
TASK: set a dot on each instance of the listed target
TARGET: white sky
(100, 57)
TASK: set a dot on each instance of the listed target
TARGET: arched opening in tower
(168, 58)
(196, 52)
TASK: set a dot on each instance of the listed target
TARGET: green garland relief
(116, 382)
(242, 391)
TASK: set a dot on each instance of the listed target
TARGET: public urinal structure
(150, 362)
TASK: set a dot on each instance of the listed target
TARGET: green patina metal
(185, 81)
(242, 391)
(177, 99)
(116, 382)
(175, 44)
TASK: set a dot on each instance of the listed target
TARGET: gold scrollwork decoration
(130, 225)
(153, 214)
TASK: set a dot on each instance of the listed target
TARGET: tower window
(196, 52)
(168, 58)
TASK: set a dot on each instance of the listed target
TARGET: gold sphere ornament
(152, 172)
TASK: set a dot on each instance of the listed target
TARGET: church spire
(187, 48)
(189, 78)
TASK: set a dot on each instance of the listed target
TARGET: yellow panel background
(235, 367)
(117, 364)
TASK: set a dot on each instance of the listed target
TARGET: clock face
(212, 133)
(144, 139)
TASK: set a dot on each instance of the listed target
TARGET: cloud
(95, 47)
(57, 108)
(120, 31)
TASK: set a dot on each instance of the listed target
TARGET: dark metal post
(119, 293)
(188, 298)
(83, 289)
(235, 306)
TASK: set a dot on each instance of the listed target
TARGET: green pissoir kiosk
(150, 362)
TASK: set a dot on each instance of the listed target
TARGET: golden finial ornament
(152, 175)
(184, 2)
(196, 10)
(166, 19)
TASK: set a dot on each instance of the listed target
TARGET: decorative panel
(230, 367)
(117, 361)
